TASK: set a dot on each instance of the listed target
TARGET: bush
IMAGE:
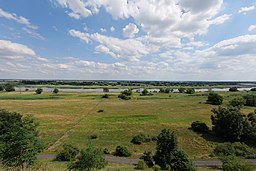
(141, 165)
(105, 90)
(200, 127)
(93, 136)
(39, 91)
(156, 168)
(250, 100)
(253, 89)
(8, 87)
(122, 151)
(233, 149)
(190, 91)
(181, 90)
(232, 164)
(138, 139)
(124, 97)
(67, 153)
(215, 99)
(55, 91)
(233, 89)
(89, 159)
(148, 158)
(105, 96)
(1, 88)
(106, 151)
(237, 102)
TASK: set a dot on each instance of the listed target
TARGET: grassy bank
(73, 117)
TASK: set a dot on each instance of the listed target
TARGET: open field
(72, 117)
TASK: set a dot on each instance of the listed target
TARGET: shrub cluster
(214, 98)
(139, 139)
(67, 153)
(200, 127)
(105, 96)
(122, 151)
(233, 89)
(233, 149)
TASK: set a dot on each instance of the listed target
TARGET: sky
(171, 40)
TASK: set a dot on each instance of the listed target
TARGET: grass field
(73, 117)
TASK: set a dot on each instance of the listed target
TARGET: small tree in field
(169, 155)
(89, 159)
(39, 90)
(55, 90)
(19, 142)
(215, 99)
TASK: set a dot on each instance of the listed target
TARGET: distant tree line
(126, 83)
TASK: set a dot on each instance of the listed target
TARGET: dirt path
(112, 159)
(65, 135)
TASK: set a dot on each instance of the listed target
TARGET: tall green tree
(228, 123)
(19, 142)
(169, 155)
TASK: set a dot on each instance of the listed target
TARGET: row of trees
(7, 87)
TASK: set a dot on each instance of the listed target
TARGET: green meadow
(72, 117)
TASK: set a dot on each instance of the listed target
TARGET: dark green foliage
(138, 139)
(233, 164)
(124, 97)
(89, 159)
(250, 100)
(105, 96)
(156, 168)
(180, 161)
(165, 90)
(93, 136)
(127, 92)
(168, 154)
(106, 151)
(148, 158)
(9, 87)
(67, 153)
(200, 127)
(233, 149)
(181, 90)
(253, 89)
(190, 91)
(214, 98)
(141, 165)
(105, 90)
(19, 142)
(55, 91)
(228, 123)
(1, 88)
(233, 89)
(122, 151)
(39, 90)
(145, 92)
(237, 102)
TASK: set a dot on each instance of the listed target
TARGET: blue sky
(128, 39)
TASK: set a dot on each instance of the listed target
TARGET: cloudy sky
(128, 39)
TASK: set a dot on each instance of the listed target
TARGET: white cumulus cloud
(245, 10)
(15, 17)
(130, 30)
(252, 27)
